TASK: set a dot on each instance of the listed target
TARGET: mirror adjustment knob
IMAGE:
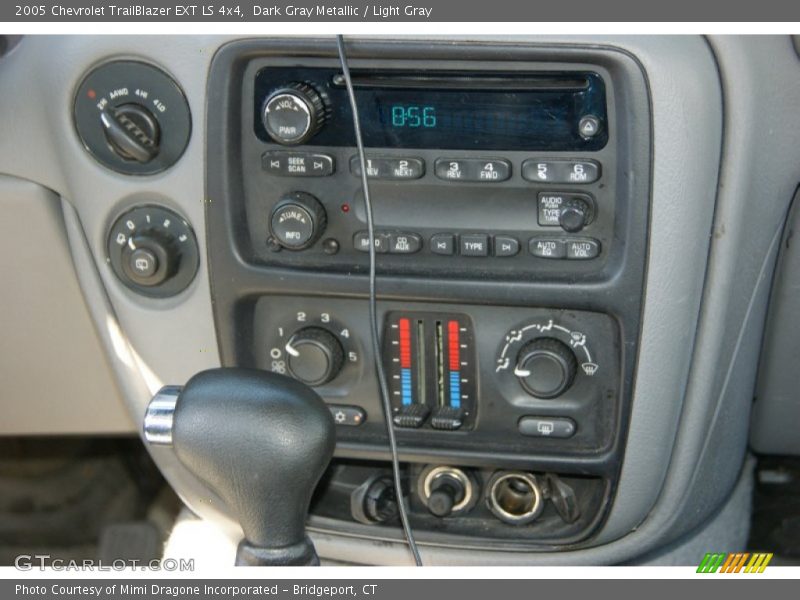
(298, 220)
(315, 356)
(546, 368)
(293, 114)
(575, 215)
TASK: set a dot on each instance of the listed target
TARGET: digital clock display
(413, 115)
(447, 111)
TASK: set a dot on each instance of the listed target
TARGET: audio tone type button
(551, 205)
(297, 164)
(389, 168)
(481, 170)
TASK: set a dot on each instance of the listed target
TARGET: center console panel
(511, 188)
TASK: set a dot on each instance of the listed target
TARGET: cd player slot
(466, 82)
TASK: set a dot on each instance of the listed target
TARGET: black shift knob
(261, 441)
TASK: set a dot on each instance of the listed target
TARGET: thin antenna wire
(373, 311)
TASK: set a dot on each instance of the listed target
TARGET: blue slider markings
(455, 389)
(405, 386)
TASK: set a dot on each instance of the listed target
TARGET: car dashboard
(575, 244)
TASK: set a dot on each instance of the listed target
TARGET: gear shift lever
(261, 441)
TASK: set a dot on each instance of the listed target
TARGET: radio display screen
(452, 111)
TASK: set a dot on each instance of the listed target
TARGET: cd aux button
(404, 243)
(472, 170)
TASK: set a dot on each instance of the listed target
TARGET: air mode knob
(298, 220)
(315, 356)
(546, 367)
(293, 114)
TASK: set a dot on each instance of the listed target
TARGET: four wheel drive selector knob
(546, 367)
(293, 114)
(297, 221)
(315, 356)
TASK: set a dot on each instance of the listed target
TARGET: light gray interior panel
(48, 339)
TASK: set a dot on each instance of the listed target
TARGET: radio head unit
(435, 109)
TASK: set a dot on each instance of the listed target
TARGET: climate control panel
(501, 378)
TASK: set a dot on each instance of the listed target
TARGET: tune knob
(546, 367)
(298, 220)
(293, 114)
(315, 356)
(575, 215)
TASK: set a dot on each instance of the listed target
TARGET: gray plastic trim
(175, 338)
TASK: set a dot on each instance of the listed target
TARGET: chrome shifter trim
(158, 418)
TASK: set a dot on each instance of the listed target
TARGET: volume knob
(293, 114)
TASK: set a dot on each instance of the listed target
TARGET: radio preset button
(443, 243)
(474, 244)
(297, 164)
(582, 249)
(560, 171)
(361, 242)
(404, 243)
(389, 168)
(543, 248)
(505, 245)
(471, 170)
